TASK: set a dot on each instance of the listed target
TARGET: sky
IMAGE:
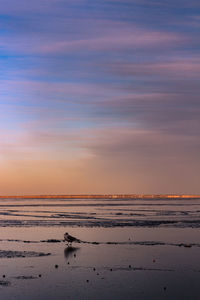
(99, 96)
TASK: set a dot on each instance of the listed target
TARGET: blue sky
(99, 96)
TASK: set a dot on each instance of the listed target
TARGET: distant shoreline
(103, 196)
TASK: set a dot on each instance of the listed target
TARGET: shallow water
(100, 212)
(131, 262)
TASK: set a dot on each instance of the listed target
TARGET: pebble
(56, 266)
(4, 276)
(94, 269)
(39, 275)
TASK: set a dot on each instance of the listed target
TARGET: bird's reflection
(69, 251)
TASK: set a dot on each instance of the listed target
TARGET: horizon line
(89, 196)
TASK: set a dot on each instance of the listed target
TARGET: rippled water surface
(100, 212)
(129, 249)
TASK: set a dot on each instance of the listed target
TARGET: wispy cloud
(94, 87)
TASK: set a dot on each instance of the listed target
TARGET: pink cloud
(106, 36)
(114, 41)
(176, 67)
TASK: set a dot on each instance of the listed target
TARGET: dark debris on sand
(4, 283)
(51, 241)
(14, 254)
(25, 277)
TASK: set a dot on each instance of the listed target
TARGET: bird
(70, 239)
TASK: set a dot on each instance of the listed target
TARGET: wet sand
(124, 263)
(130, 249)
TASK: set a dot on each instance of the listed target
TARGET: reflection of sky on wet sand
(121, 271)
(140, 249)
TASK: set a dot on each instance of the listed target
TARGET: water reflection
(70, 251)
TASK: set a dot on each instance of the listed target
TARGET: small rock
(129, 266)
(94, 269)
(56, 266)
(111, 270)
(87, 280)
(164, 288)
(4, 276)
(39, 275)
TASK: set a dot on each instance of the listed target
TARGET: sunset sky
(99, 96)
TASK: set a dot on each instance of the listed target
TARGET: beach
(129, 249)
(100, 147)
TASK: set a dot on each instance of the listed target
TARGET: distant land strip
(103, 196)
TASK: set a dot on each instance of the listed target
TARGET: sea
(129, 248)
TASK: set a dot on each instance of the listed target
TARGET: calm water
(146, 249)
